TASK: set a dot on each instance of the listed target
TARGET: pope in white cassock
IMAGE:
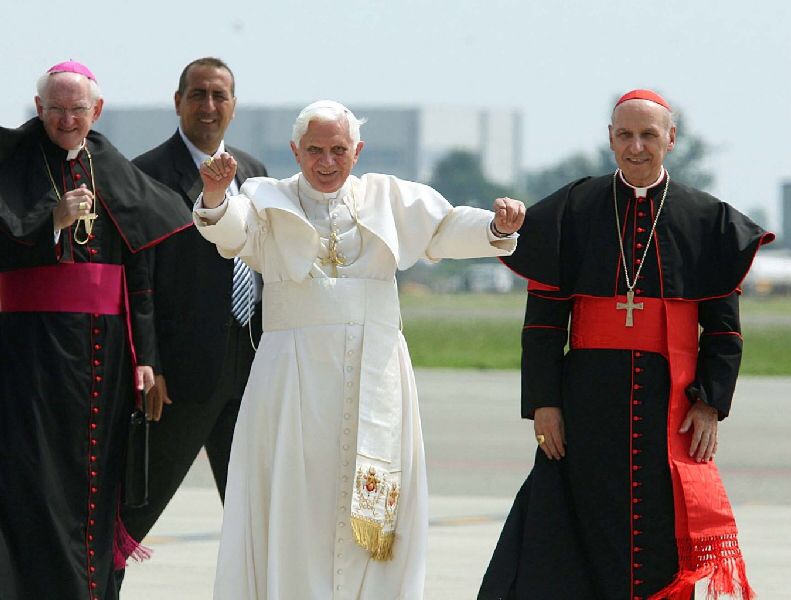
(327, 494)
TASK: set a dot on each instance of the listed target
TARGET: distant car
(770, 273)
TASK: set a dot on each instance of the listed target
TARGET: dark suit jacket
(192, 282)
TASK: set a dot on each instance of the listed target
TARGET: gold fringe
(369, 535)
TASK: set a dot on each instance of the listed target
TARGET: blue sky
(725, 64)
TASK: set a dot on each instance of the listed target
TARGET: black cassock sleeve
(719, 353)
(141, 306)
(544, 338)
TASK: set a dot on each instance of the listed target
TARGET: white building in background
(407, 142)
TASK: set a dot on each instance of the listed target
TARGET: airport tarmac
(478, 452)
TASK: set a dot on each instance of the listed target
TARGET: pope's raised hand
(509, 214)
(217, 174)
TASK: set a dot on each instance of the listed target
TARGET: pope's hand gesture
(217, 174)
(508, 215)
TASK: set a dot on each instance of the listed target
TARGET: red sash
(96, 288)
(68, 287)
(705, 529)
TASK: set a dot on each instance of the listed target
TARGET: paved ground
(479, 452)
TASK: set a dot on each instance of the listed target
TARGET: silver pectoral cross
(629, 306)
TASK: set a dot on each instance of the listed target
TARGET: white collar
(310, 192)
(642, 192)
(198, 155)
(75, 152)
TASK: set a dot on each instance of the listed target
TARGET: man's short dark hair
(208, 61)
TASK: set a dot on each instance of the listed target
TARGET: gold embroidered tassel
(370, 536)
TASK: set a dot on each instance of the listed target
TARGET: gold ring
(540, 438)
(83, 205)
(208, 161)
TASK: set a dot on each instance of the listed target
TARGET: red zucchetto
(643, 95)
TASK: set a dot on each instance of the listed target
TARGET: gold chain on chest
(86, 220)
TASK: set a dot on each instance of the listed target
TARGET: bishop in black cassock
(627, 513)
(74, 322)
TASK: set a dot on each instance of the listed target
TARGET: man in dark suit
(193, 294)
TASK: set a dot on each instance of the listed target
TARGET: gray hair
(43, 83)
(326, 111)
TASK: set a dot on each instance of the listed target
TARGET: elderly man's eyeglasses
(78, 112)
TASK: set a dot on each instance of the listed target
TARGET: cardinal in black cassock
(625, 268)
(75, 320)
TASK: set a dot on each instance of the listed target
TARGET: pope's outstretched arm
(231, 223)
(217, 173)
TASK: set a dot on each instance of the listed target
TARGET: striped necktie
(243, 292)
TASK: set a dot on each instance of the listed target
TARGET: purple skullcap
(72, 66)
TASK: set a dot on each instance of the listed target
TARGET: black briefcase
(136, 478)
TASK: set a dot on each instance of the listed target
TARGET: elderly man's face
(67, 110)
(326, 154)
(206, 107)
(640, 137)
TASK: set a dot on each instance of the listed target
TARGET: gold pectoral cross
(334, 257)
(87, 225)
(629, 306)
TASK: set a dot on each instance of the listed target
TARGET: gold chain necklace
(335, 258)
(630, 305)
(87, 220)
